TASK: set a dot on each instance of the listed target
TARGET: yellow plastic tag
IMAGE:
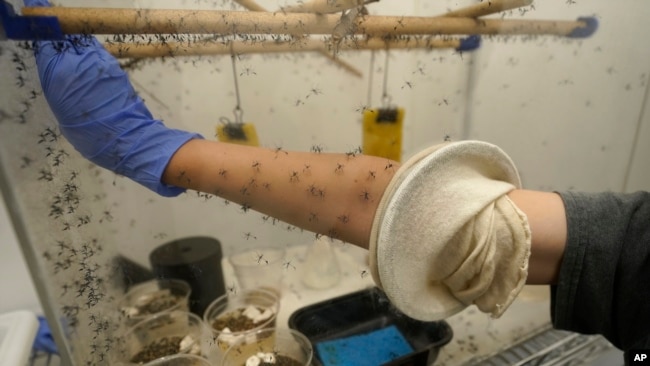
(238, 133)
(382, 132)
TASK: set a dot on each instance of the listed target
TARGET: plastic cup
(271, 342)
(242, 313)
(175, 360)
(180, 360)
(259, 268)
(153, 297)
(163, 335)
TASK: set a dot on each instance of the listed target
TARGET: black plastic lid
(186, 250)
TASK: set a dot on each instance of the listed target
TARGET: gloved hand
(101, 115)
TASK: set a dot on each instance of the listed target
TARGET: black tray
(366, 311)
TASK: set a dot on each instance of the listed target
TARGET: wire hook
(238, 111)
(385, 97)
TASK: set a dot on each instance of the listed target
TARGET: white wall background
(570, 113)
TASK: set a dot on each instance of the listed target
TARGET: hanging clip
(24, 28)
(237, 132)
(387, 115)
(229, 131)
(382, 132)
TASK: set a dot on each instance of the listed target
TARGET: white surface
(15, 280)
(17, 332)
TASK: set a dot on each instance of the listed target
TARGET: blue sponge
(371, 349)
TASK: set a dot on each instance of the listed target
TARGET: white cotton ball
(268, 357)
(187, 344)
(251, 312)
(253, 361)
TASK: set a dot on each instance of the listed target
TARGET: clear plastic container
(242, 313)
(284, 346)
(153, 297)
(180, 360)
(259, 268)
(163, 335)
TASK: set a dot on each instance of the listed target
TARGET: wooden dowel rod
(342, 64)
(155, 21)
(177, 49)
(252, 5)
(487, 8)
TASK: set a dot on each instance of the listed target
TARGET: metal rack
(550, 347)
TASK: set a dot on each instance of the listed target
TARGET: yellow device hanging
(238, 133)
(382, 132)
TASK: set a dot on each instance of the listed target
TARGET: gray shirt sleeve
(604, 282)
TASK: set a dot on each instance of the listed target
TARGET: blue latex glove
(100, 114)
(44, 342)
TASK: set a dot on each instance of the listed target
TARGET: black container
(366, 311)
(196, 260)
(132, 272)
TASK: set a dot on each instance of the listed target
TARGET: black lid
(186, 250)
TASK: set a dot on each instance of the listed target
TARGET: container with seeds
(181, 360)
(152, 297)
(236, 315)
(174, 360)
(270, 347)
(162, 335)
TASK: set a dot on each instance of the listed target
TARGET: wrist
(148, 158)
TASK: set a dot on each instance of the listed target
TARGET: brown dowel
(176, 49)
(158, 21)
(486, 8)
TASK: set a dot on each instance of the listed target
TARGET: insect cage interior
(570, 111)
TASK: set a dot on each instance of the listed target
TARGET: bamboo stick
(177, 49)
(252, 5)
(157, 21)
(487, 8)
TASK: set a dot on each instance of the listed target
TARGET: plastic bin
(17, 332)
(365, 312)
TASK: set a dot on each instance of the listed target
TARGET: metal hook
(239, 114)
(225, 120)
(238, 111)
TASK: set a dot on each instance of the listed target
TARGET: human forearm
(331, 194)
(547, 220)
(337, 194)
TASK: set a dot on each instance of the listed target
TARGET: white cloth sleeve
(446, 236)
